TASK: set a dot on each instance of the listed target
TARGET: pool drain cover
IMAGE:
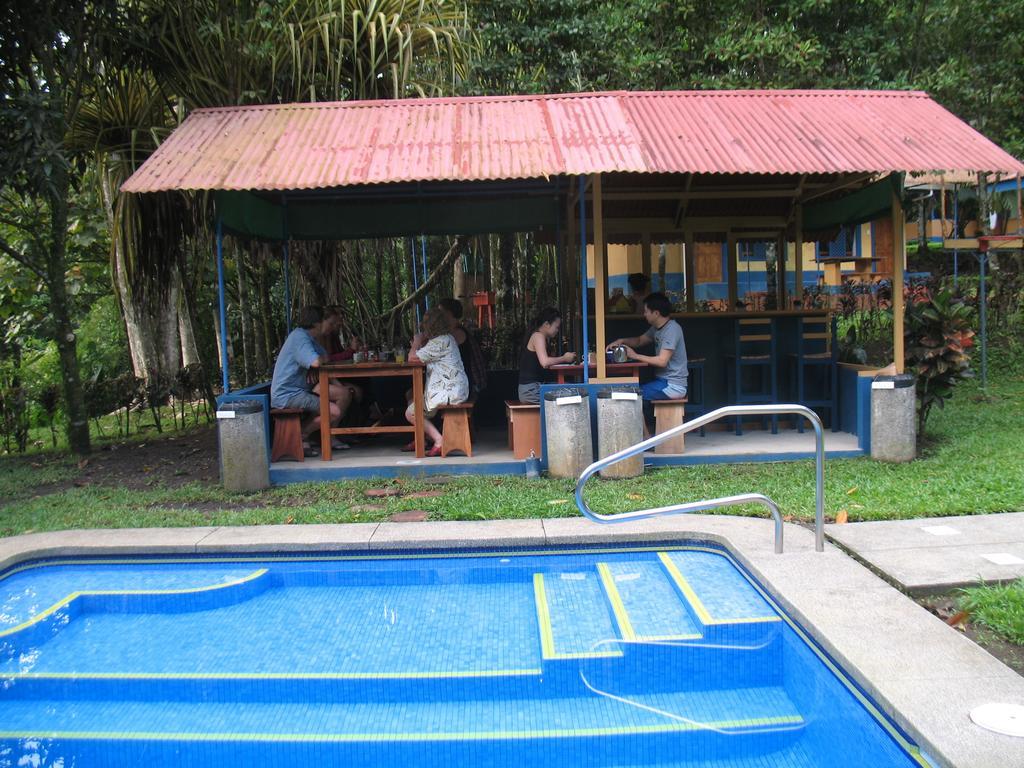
(1007, 719)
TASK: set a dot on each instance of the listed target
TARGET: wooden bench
(669, 414)
(455, 434)
(523, 428)
(287, 426)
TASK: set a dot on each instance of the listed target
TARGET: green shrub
(937, 334)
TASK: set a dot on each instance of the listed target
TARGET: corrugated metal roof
(312, 146)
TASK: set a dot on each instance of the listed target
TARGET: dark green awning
(326, 217)
(867, 204)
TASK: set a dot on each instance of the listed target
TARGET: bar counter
(711, 336)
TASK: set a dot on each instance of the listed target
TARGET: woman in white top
(447, 383)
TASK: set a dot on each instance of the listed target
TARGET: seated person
(290, 386)
(469, 349)
(328, 337)
(534, 359)
(638, 283)
(618, 303)
(669, 359)
(446, 383)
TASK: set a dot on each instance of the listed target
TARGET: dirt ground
(944, 606)
(186, 457)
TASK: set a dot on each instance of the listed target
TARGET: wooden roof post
(942, 208)
(600, 275)
(899, 261)
(798, 255)
(570, 295)
(1020, 217)
(730, 266)
(690, 270)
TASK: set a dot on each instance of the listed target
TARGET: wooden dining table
(366, 371)
(628, 368)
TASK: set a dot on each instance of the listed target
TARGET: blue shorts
(307, 401)
(661, 389)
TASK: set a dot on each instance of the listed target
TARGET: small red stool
(484, 303)
(287, 442)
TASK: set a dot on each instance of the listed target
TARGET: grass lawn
(998, 607)
(970, 464)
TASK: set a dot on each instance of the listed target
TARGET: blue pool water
(665, 656)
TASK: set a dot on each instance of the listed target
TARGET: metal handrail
(725, 501)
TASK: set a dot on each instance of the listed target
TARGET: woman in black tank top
(534, 359)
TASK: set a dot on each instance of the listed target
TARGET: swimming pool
(654, 655)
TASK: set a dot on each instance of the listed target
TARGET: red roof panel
(313, 146)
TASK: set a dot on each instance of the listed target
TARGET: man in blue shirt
(290, 386)
(668, 363)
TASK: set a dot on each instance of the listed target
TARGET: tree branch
(20, 259)
(430, 282)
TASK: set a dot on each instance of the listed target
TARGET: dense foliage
(106, 299)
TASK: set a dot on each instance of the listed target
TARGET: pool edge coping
(904, 658)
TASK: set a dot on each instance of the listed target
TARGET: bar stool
(484, 303)
(696, 405)
(815, 366)
(754, 353)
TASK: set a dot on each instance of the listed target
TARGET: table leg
(560, 377)
(325, 416)
(417, 399)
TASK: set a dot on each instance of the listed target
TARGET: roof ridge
(628, 95)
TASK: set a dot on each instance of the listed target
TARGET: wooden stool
(523, 428)
(455, 432)
(287, 426)
(668, 414)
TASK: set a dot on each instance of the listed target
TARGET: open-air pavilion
(579, 170)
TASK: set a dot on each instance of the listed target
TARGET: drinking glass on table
(400, 355)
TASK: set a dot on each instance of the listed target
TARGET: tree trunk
(189, 348)
(142, 351)
(64, 332)
(258, 328)
(168, 338)
(266, 320)
(506, 298)
(219, 334)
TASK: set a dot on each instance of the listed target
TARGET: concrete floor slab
(490, 449)
(927, 533)
(924, 571)
(938, 554)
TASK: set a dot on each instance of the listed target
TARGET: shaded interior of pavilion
(583, 217)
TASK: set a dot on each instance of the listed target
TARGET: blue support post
(423, 259)
(223, 308)
(583, 277)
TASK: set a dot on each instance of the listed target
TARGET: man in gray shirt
(669, 359)
(290, 387)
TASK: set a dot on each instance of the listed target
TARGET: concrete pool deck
(924, 674)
